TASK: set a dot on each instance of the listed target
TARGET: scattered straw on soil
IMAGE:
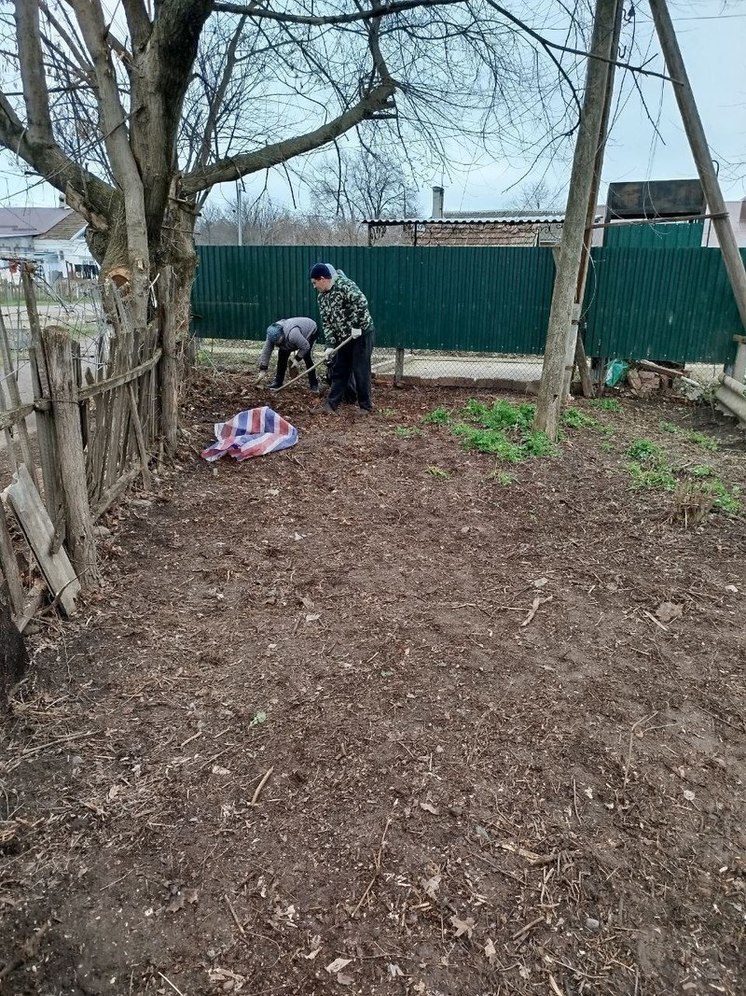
(342, 724)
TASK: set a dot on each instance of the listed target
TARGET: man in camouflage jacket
(344, 313)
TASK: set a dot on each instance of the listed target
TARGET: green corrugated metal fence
(668, 304)
(663, 304)
(452, 299)
(671, 235)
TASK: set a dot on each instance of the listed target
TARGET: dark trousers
(283, 355)
(352, 360)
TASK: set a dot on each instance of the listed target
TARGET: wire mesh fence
(407, 366)
(77, 308)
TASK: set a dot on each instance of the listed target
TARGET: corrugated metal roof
(68, 228)
(15, 221)
(494, 219)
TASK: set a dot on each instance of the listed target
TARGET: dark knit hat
(321, 271)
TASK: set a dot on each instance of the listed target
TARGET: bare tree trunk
(174, 313)
(71, 459)
(563, 317)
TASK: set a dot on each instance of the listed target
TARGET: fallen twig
(30, 948)
(535, 608)
(575, 801)
(533, 859)
(554, 987)
(631, 741)
(376, 873)
(656, 621)
(170, 983)
(260, 786)
(528, 926)
(235, 918)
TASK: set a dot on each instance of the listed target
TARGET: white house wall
(58, 255)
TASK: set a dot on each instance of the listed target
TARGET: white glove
(328, 353)
(356, 333)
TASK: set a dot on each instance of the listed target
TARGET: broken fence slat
(39, 532)
(120, 379)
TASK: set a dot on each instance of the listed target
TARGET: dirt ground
(341, 723)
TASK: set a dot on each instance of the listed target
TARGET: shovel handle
(276, 390)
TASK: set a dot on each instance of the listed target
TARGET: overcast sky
(712, 35)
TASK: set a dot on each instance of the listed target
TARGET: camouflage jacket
(343, 308)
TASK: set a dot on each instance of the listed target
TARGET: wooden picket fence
(97, 432)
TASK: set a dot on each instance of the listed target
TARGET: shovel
(325, 359)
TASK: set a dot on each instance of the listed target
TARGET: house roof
(68, 228)
(32, 221)
(477, 218)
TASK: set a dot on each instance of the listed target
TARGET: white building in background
(54, 238)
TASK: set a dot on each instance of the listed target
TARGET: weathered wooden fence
(97, 431)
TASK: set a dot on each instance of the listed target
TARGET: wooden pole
(14, 395)
(563, 316)
(139, 437)
(40, 386)
(10, 444)
(10, 565)
(581, 359)
(399, 367)
(71, 458)
(698, 141)
(169, 364)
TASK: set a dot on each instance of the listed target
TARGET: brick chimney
(438, 194)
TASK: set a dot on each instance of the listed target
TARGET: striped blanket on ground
(252, 433)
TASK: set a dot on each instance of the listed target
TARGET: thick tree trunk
(177, 274)
(170, 239)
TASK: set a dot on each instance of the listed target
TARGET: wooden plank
(13, 415)
(63, 385)
(39, 532)
(44, 429)
(31, 607)
(141, 448)
(581, 361)
(14, 394)
(109, 497)
(34, 325)
(10, 565)
(91, 390)
(169, 374)
(10, 443)
(83, 405)
(662, 371)
(117, 441)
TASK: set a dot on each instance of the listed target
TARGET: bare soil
(311, 739)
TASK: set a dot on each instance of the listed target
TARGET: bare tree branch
(215, 102)
(123, 164)
(49, 161)
(386, 10)
(234, 167)
(33, 79)
(256, 12)
(138, 22)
